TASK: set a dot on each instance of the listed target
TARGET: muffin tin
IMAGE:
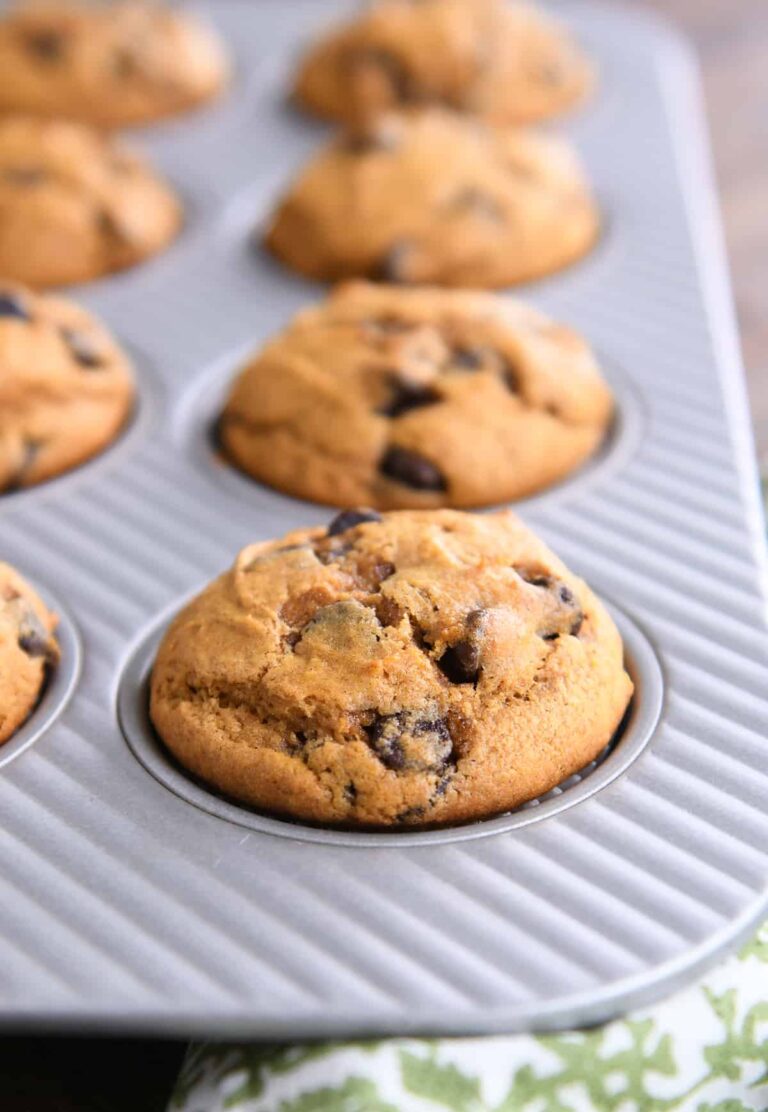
(135, 899)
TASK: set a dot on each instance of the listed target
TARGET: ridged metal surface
(126, 907)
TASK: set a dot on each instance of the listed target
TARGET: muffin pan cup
(135, 899)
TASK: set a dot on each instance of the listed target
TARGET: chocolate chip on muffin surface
(66, 388)
(27, 650)
(437, 199)
(415, 668)
(392, 397)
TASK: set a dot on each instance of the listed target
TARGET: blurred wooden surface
(731, 37)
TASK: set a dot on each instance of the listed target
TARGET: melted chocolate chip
(33, 638)
(405, 741)
(511, 378)
(411, 470)
(394, 266)
(576, 625)
(410, 814)
(467, 358)
(11, 305)
(29, 455)
(109, 226)
(348, 519)
(571, 615)
(83, 349)
(47, 46)
(461, 662)
(407, 396)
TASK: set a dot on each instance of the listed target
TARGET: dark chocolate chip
(565, 594)
(390, 67)
(405, 741)
(537, 580)
(47, 46)
(328, 556)
(394, 266)
(34, 638)
(350, 792)
(29, 455)
(11, 305)
(407, 396)
(83, 349)
(384, 736)
(24, 176)
(478, 358)
(461, 662)
(412, 470)
(109, 225)
(443, 786)
(410, 814)
(577, 623)
(348, 519)
(467, 358)
(511, 377)
(565, 598)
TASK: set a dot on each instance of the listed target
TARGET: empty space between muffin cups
(631, 739)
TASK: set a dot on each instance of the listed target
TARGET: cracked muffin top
(109, 64)
(398, 398)
(432, 197)
(27, 650)
(74, 205)
(424, 667)
(497, 59)
(66, 388)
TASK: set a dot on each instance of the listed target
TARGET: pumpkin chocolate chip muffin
(396, 398)
(432, 197)
(66, 388)
(497, 59)
(27, 650)
(417, 668)
(109, 64)
(74, 205)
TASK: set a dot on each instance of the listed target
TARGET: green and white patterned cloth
(702, 1050)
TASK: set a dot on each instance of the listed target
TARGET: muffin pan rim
(59, 686)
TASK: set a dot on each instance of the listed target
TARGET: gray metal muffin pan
(134, 899)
